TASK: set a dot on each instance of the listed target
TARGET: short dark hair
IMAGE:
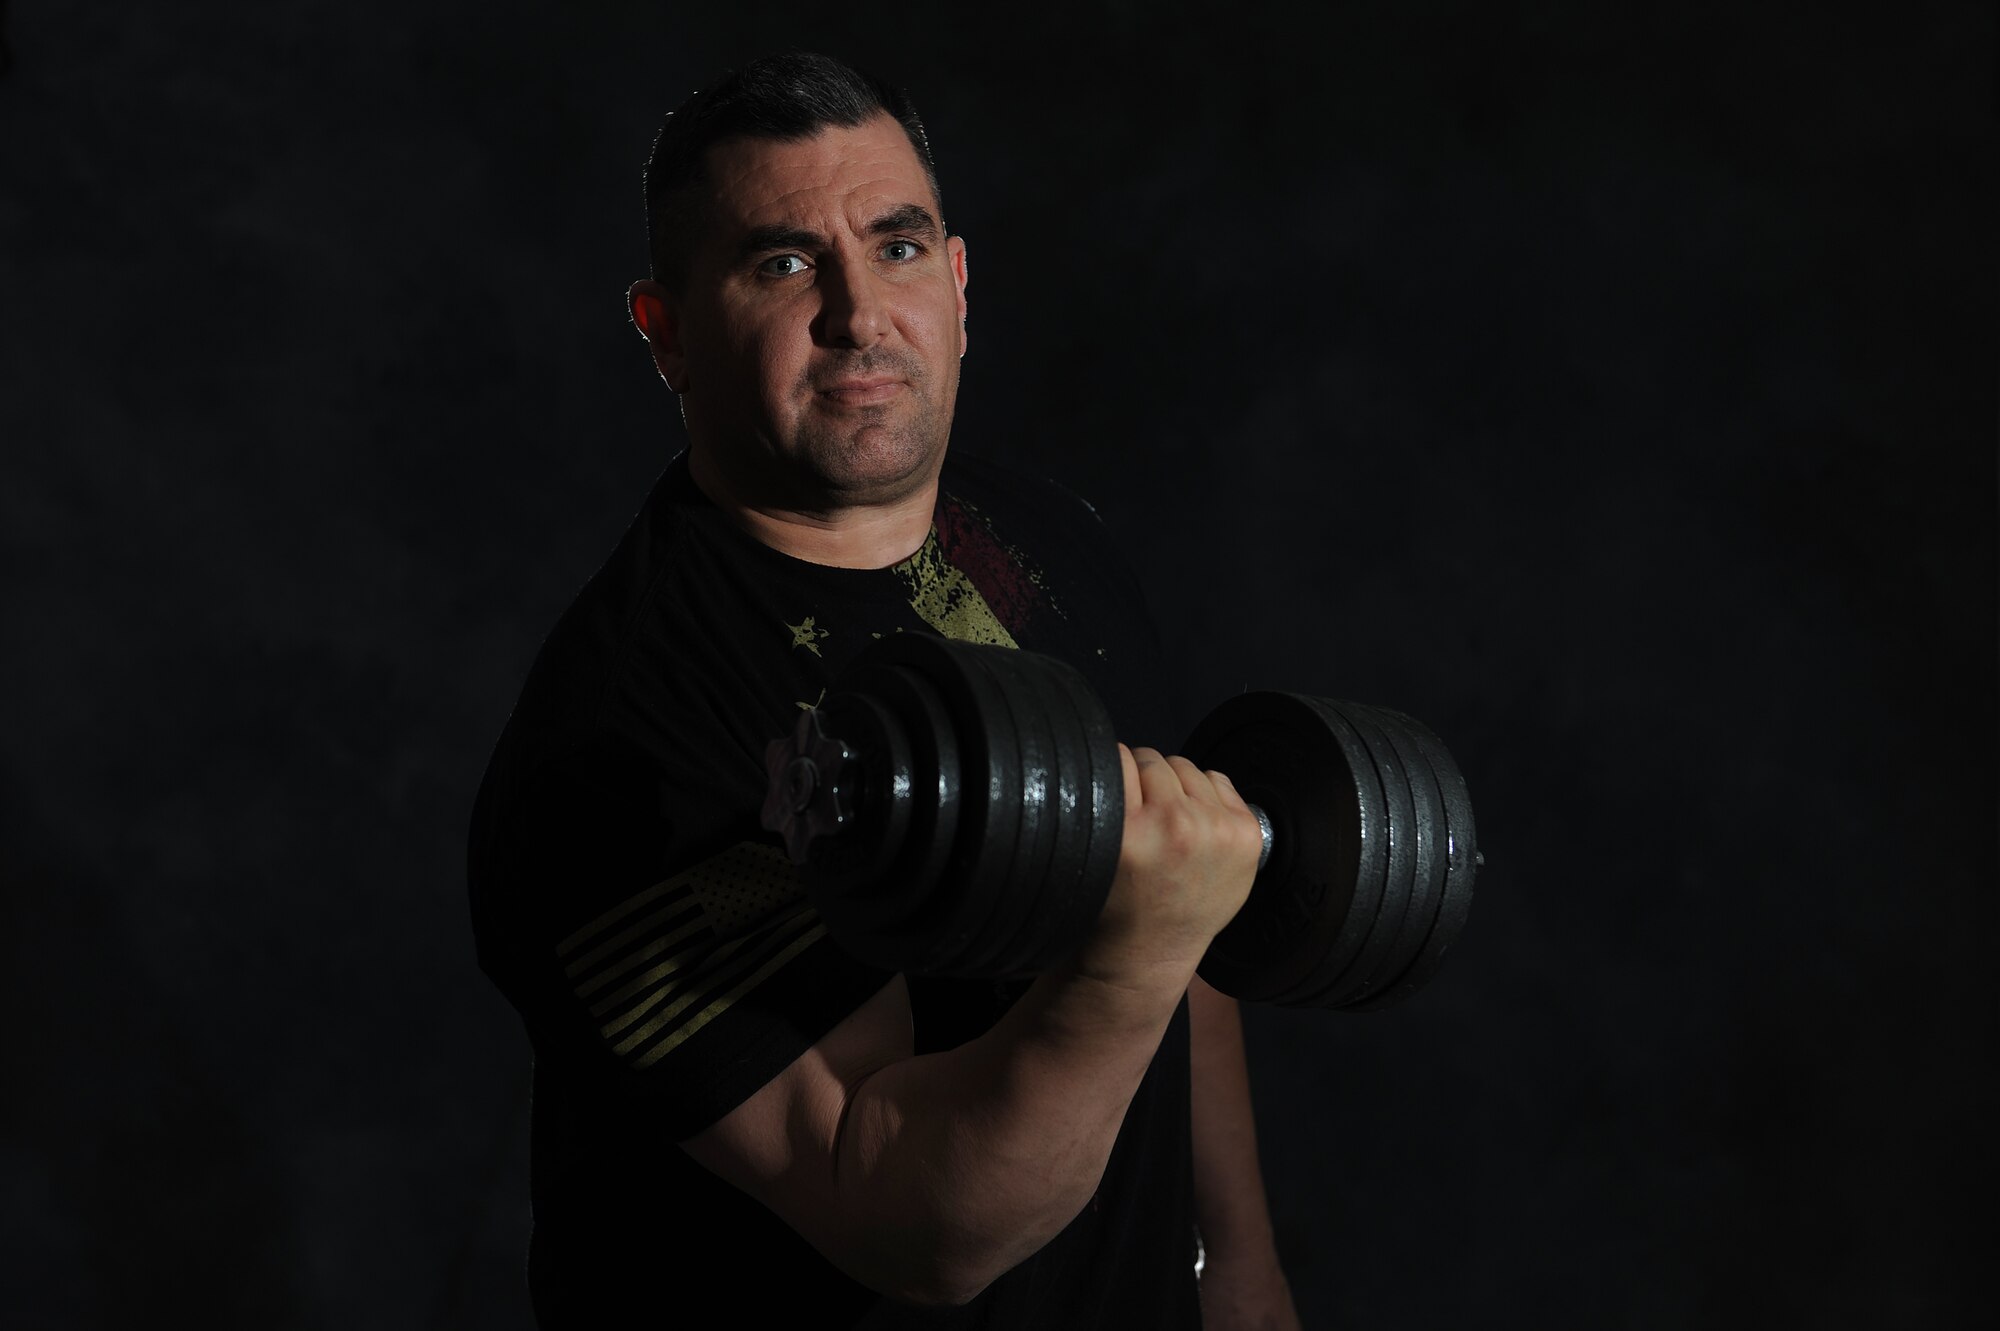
(785, 97)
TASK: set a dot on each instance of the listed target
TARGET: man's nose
(852, 312)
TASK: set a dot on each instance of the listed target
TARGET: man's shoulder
(1025, 509)
(613, 614)
(976, 477)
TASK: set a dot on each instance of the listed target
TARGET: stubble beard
(877, 454)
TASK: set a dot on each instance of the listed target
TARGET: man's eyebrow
(779, 237)
(910, 218)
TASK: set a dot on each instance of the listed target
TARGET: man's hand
(1185, 867)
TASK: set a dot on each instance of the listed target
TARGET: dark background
(1611, 388)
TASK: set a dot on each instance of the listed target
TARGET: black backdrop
(1612, 389)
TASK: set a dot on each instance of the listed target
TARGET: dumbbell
(958, 810)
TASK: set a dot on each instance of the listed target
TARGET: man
(735, 1121)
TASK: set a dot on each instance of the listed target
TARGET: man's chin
(874, 465)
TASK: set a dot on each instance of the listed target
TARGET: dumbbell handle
(1263, 823)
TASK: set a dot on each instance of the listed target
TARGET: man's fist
(1185, 867)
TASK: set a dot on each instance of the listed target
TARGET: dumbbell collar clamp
(810, 789)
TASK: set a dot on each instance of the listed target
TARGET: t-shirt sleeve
(672, 950)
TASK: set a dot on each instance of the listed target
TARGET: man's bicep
(781, 1144)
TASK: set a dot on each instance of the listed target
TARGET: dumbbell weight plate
(1427, 834)
(1432, 838)
(968, 891)
(937, 757)
(986, 866)
(1312, 903)
(1370, 814)
(1041, 687)
(1368, 968)
(1461, 855)
(1076, 894)
(886, 919)
(1019, 715)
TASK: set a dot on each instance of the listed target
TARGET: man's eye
(902, 251)
(784, 265)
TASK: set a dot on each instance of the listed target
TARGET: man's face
(820, 332)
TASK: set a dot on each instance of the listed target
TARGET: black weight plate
(1427, 885)
(985, 866)
(1069, 909)
(973, 876)
(1283, 756)
(1369, 813)
(1368, 971)
(1020, 716)
(1070, 791)
(1309, 907)
(885, 921)
(1461, 855)
(1341, 966)
(1061, 790)
(934, 749)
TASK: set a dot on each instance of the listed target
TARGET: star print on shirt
(807, 636)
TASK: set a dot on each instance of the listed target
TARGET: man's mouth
(862, 391)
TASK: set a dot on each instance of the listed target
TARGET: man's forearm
(928, 1177)
(1242, 1285)
(1230, 1206)
(960, 1165)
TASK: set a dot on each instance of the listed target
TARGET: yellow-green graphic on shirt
(808, 635)
(969, 584)
(946, 599)
(665, 962)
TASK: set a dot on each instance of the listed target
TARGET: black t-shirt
(660, 949)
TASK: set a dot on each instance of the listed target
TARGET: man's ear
(654, 314)
(955, 247)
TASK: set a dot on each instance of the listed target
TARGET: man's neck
(874, 535)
